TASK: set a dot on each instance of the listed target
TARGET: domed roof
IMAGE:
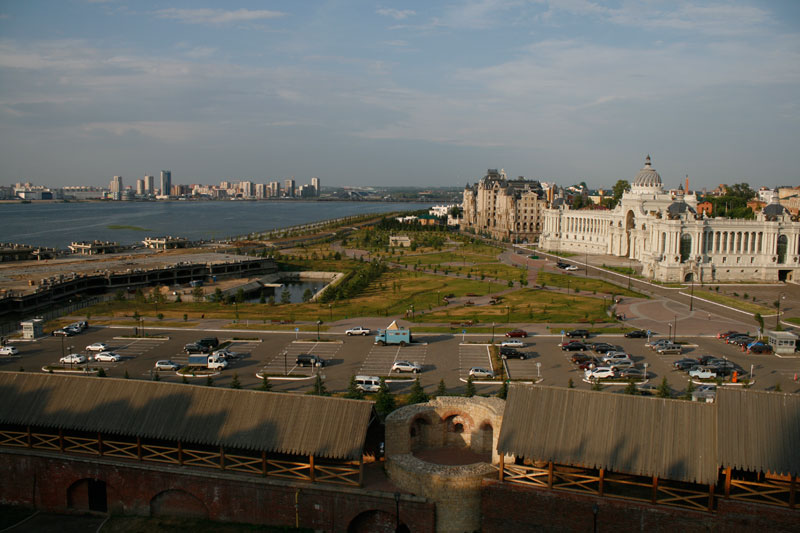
(647, 177)
(678, 208)
(773, 208)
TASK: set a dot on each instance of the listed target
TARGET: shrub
(353, 392)
(235, 384)
(470, 390)
(441, 390)
(417, 393)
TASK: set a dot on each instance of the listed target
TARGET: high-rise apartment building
(115, 187)
(166, 182)
(261, 190)
(139, 187)
(288, 187)
(149, 184)
(315, 184)
(274, 189)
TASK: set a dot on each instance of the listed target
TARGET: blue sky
(399, 93)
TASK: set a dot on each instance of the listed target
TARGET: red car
(517, 333)
(726, 334)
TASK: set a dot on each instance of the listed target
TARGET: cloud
(217, 16)
(397, 14)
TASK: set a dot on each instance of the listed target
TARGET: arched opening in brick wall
(88, 495)
(375, 521)
(457, 431)
(418, 432)
(483, 439)
(177, 502)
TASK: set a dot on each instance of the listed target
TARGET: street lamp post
(670, 330)
(492, 332)
(397, 511)
(285, 370)
(630, 273)
(675, 330)
(691, 297)
(330, 312)
(508, 314)
(319, 322)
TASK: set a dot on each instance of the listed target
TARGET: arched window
(686, 247)
(782, 242)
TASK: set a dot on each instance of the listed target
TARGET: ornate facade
(675, 243)
(504, 209)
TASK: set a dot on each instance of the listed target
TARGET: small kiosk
(782, 342)
(32, 329)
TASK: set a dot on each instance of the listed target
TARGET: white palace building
(674, 243)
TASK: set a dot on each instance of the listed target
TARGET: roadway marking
(380, 359)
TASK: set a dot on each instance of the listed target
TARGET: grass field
(730, 301)
(552, 279)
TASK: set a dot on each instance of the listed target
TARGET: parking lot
(443, 357)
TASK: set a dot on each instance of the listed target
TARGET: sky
(399, 93)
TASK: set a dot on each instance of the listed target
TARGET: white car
(513, 343)
(8, 350)
(109, 357)
(571, 268)
(600, 372)
(227, 354)
(358, 330)
(166, 364)
(72, 359)
(477, 372)
(97, 347)
(406, 366)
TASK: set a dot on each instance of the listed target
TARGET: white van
(368, 383)
(216, 362)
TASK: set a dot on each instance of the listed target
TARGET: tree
(101, 372)
(618, 190)
(570, 384)
(235, 383)
(197, 294)
(240, 295)
(126, 375)
(156, 376)
(184, 380)
(307, 295)
(578, 201)
(178, 298)
(218, 296)
(596, 386)
(417, 393)
(469, 392)
(263, 298)
(630, 388)
(286, 297)
(384, 401)
(777, 388)
(319, 388)
(265, 384)
(689, 390)
(503, 392)
(441, 390)
(663, 390)
(209, 381)
(760, 319)
(353, 391)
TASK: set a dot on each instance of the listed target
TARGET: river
(58, 224)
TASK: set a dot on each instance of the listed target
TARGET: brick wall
(43, 480)
(508, 507)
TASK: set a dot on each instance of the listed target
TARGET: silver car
(166, 364)
(109, 357)
(406, 366)
(477, 372)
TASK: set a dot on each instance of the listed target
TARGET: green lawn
(552, 279)
(731, 301)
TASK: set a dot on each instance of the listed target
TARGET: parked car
(759, 347)
(196, 348)
(582, 333)
(81, 325)
(686, 363)
(654, 345)
(702, 372)
(358, 330)
(589, 364)
(506, 352)
(368, 383)
(210, 342)
(646, 389)
(562, 265)
(637, 334)
(478, 372)
(307, 359)
(631, 373)
(704, 393)
(572, 346)
(742, 341)
(8, 350)
(670, 348)
(512, 344)
(166, 364)
(227, 354)
(406, 366)
(517, 333)
(600, 372)
(72, 359)
(109, 357)
(709, 359)
(97, 347)
(64, 332)
(725, 368)
(602, 347)
(570, 268)
(725, 334)
(578, 358)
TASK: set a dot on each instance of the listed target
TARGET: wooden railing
(345, 473)
(772, 490)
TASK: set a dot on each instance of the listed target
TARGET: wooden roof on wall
(264, 421)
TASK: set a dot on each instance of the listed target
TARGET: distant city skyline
(411, 93)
